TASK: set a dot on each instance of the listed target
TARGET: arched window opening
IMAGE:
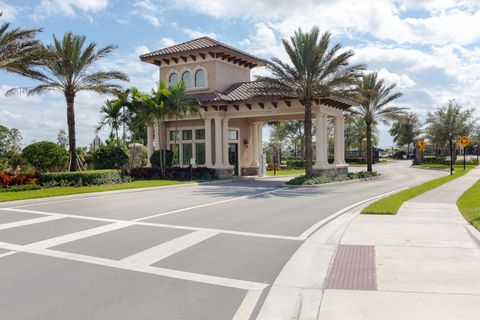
(187, 78)
(200, 78)
(173, 79)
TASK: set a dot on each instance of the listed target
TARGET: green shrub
(296, 164)
(83, 178)
(46, 156)
(155, 158)
(109, 156)
(317, 179)
(21, 187)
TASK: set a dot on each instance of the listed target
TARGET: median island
(317, 179)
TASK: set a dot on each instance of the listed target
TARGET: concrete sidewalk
(425, 265)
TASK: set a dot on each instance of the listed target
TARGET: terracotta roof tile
(197, 44)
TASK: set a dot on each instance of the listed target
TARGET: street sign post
(464, 142)
(421, 147)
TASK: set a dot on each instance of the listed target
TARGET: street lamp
(451, 153)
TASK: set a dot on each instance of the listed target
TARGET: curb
(474, 233)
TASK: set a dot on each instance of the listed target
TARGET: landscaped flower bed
(9, 181)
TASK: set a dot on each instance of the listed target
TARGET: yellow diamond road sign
(421, 144)
(464, 141)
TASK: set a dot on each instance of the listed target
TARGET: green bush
(109, 156)
(83, 178)
(317, 179)
(155, 158)
(296, 164)
(46, 156)
(21, 187)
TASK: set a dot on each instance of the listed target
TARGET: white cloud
(167, 42)
(9, 12)
(402, 80)
(197, 34)
(149, 11)
(68, 7)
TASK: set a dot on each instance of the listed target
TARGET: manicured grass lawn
(63, 191)
(391, 204)
(469, 205)
(286, 172)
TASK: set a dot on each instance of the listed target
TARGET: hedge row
(317, 179)
(176, 173)
(83, 178)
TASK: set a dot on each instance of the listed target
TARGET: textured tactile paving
(353, 268)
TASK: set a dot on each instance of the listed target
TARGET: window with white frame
(186, 144)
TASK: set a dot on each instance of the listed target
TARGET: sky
(429, 48)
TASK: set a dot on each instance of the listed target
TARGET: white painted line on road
(324, 221)
(166, 249)
(28, 222)
(209, 204)
(248, 304)
(161, 225)
(79, 235)
(182, 275)
(6, 254)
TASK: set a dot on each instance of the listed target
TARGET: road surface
(189, 252)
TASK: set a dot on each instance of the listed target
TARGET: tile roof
(197, 44)
(255, 91)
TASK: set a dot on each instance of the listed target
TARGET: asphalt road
(190, 252)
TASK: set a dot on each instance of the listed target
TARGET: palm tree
(376, 96)
(406, 130)
(112, 117)
(19, 51)
(315, 70)
(179, 104)
(66, 69)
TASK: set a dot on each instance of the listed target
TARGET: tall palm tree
(316, 69)
(19, 51)
(376, 97)
(68, 69)
(179, 104)
(406, 130)
(112, 117)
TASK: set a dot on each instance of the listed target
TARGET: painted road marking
(326, 220)
(122, 193)
(29, 221)
(6, 254)
(166, 249)
(170, 273)
(171, 226)
(209, 204)
(248, 304)
(79, 235)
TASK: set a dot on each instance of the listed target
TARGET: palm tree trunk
(72, 145)
(308, 138)
(369, 147)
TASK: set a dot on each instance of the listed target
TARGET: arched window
(173, 79)
(200, 78)
(187, 78)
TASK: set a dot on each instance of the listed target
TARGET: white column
(225, 142)
(149, 143)
(339, 142)
(318, 140)
(156, 132)
(321, 143)
(342, 140)
(208, 142)
(325, 140)
(260, 139)
(218, 142)
(254, 143)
